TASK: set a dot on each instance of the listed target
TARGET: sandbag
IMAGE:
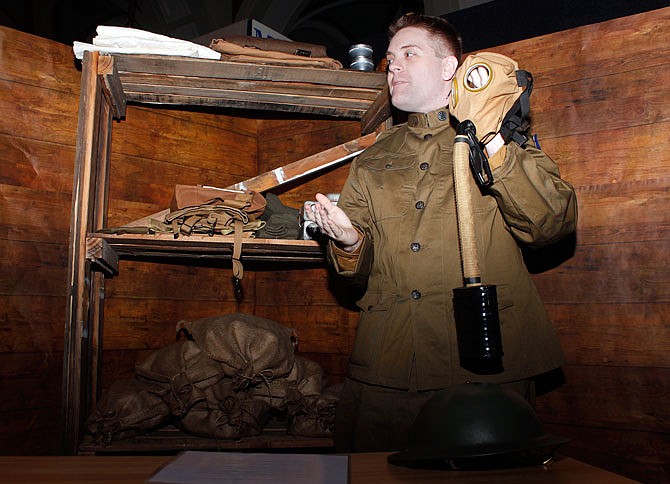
(314, 416)
(306, 378)
(225, 414)
(127, 409)
(183, 370)
(251, 349)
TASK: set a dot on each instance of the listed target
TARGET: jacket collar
(433, 119)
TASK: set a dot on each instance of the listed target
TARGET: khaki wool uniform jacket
(400, 195)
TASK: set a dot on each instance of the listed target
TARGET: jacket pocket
(376, 301)
(505, 299)
(391, 181)
(372, 328)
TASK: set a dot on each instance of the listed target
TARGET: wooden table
(369, 468)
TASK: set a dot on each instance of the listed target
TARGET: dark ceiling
(333, 23)
(327, 23)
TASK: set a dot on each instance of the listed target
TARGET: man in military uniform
(395, 226)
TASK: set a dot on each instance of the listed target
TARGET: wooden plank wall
(600, 108)
(39, 98)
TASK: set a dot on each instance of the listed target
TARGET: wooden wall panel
(30, 407)
(30, 163)
(39, 97)
(30, 60)
(35, 215)
(164, 135)
(30, 431)
(614, 334)
(38, 112)
(642, 455)
(610, 272)
(31, 323)
(142, 323)
(643, 406)
(601, 110)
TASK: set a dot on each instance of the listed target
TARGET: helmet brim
(533, 452)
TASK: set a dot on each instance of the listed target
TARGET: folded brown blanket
(238, 53)
(303, 49)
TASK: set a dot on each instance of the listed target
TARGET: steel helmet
(476, 426)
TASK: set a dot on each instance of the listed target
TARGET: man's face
(419, 81)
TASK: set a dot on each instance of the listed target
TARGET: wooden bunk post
(82, 324)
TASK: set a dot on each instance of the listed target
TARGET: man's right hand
(334, 223)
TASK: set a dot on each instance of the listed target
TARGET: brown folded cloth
(303, 49)
(237, 53)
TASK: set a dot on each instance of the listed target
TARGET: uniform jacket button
(419, 205)
(416, 294)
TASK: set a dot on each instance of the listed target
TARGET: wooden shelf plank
(200, 82)
(165, 246)
(192, 67)
(137, 81)
(257, 101)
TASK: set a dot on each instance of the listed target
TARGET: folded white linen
(126, 40)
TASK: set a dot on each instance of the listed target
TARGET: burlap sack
(129, 408)
(183, 370)
(312, 379)
(306, 378)
(225, 414)
(485, 105)
(251, 349)
(314, 416)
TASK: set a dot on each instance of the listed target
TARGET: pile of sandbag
(227, 380)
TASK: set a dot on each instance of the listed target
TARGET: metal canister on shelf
(360, 56)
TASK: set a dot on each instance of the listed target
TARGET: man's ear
(449, 66)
